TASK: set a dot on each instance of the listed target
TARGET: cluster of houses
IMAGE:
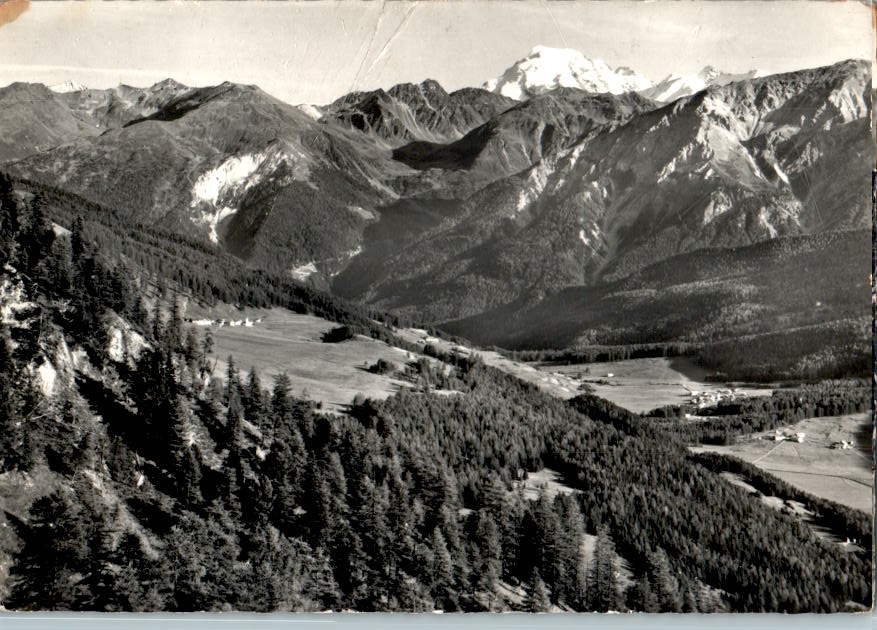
(708, 398)
(843, 445)
(782, 436)
(232, 323)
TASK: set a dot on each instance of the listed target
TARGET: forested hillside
(133, 481)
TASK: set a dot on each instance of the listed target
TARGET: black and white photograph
(436, 307)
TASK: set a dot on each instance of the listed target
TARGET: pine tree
(489, 569)
(571, 587)
(44, 571)
(537, 600)
(58, 268)
(441, 571)
(370, 521)
(9, 220)
(11, 422)
(602, 594)
(664, 585)
(77, 242)
(287, 466)
(281, 404)
(191, 478)
(36, 240)
(642, 598)
(252, 398)
(323, 589)
(97, 588)
(234, 421)
(139, 585)
(232, 380)
(548, 541)
(175, 325)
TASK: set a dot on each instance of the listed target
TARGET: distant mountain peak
(67, 86)
(169, 83)
(676, 86)
(546, 68)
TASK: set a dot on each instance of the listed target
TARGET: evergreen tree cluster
(176, 490)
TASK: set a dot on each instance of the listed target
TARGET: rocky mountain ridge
(447, 205)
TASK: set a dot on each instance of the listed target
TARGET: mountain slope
(812, 288)
(676, 86)
(133, 480)
(228, 162)
(445, 206)
(409, 112)
(730, 166)
(34, 119)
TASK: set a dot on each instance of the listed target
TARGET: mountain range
(545, 69)
(561, 177)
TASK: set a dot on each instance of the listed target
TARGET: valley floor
(842, 475)
(333, 374)
(643, 384)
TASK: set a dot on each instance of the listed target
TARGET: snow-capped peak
(545, 69)
(676, 86)
(67, 86)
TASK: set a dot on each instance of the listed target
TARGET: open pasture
(643, 384)
(816, 465)
(282, 341)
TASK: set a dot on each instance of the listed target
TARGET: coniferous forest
(144, 483)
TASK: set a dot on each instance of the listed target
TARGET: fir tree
(9, 220)
(45, 569)
(537, 600)
(441, 571)
(602, 595)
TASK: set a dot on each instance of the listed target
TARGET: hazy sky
(316, 51)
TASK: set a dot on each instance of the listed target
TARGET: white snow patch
(780, 173)
(533, 185)
(67, 86)
(141, 479)
(310, 110)
(664, 122)
(668, 170)
(547, 68)
(676, 86)
(60, 230)
(583, 238)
